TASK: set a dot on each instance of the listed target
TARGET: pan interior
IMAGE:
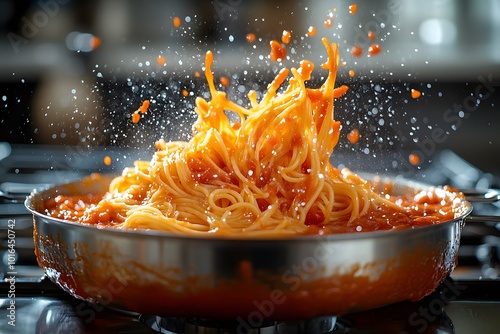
(98, 184)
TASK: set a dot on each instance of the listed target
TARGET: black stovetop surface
(457, 306)
(467, 302)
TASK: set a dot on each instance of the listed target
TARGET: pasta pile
(267, 175)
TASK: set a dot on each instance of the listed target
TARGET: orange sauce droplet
(224, 81)
(96, 42)
(311, 31)
(353, 8)
(177, 22)
(415, 93)
(185, 93)
(414, 159)
(371, 35)
(286, 36)
(352, 73)
(250, 37)
(107, 160)
(356, 51)
(161, 60)
(197, 74)
(328, 22)
(374, 49)
(353, 136)
(136, 117)
(278, 51)
(144, 107)
(339, 91)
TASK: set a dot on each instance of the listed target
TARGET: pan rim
(142, 233)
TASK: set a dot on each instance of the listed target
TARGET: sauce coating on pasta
(268, 174)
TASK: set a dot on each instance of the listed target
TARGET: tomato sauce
(278, 51)
(374, 49)
(286, 36)
(311, 31)
(425, 208)
(356, 51)
(353, 136)
(328, 22)
(100, 275)
(250, 37)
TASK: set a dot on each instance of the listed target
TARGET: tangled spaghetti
(267, 175)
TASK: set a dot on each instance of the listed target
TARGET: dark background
(54, 94)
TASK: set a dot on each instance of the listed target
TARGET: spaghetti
(269, 174)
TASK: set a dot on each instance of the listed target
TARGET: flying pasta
(267, 175)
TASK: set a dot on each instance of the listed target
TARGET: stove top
(457, 306)
(466, 302)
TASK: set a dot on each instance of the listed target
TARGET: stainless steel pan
(171, 275)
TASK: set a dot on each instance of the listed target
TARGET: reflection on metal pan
(159, 273)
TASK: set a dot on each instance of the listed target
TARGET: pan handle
(4, 198)
(481, 196)
(482, 219)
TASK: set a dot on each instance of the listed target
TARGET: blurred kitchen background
(73, 72)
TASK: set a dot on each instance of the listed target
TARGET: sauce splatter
(353, 8)
(161, 60)
(286, 36)
(352, 73)
(136, 117)
(250, 37)
(224, 81)
(144, 107)
(177, 22)
(96, 42)
(328, 22)
(371, 35)
(278, 51)
(353, 136)
(414, 159)
(340, 91)
(415, 94)
(311, 31)
(185, 93)
(197, 74)
(107, 160)
(374, 49)
(356, 51)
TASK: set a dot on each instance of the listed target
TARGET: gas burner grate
(321, 325)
